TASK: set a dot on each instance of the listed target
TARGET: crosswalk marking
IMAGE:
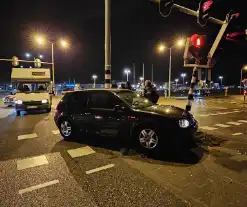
(99, 169)
(32, 162)
(234, 123)
(79, 152)
(56, 132)
(237, 134)
(222, 125)
(27, 136)
(36, 187)
(208, 128)
(243, 121)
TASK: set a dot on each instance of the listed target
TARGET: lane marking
(243, 121)
(31, 162)
(99, 169)
(36, 187)
(56, 132)
(222, 125)
(237, 134)
(79, 152)
(234, 123)
(27, 136)
(208, 128)
(205, 115)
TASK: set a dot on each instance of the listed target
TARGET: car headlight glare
(184, 123)
(44, 101)
(18, 102)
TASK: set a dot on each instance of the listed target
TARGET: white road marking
(233, 102)
(243, 121)
(32, 162)
(204, 115)
(237, 134)
(234, 123)
(56, 132)
(208, 128)
(36, 187)
(27, 136)
(222, 125)
(99, 169)
(79, 152)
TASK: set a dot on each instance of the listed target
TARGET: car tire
(48, 110)
(67, 129)
(18, 113)
(148, 140)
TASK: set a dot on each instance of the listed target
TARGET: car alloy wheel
(148, 138)
(66, 128)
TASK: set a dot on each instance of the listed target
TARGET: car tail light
(245, 92)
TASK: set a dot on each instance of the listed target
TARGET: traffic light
(37, 63)
(197, 45)
(15, 61)
(203, 11)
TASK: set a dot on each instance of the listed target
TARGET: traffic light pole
(25, 61)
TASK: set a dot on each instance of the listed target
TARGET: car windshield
(135, 100)
(32, 87)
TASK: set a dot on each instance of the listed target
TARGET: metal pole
(127, 76)
(170, 70)
(152, 73)
(53, 67)
(192, 86)
(143, 72)
(241, 78)
(221, 80)
(183, 80)
(134, 74)
(107, 44)
(94, 82)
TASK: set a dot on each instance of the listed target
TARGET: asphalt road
(38, 168)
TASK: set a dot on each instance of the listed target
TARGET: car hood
(166, 110)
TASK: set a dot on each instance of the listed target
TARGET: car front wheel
(66, 129)
(148, 140)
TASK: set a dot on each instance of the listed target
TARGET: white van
(33, 86)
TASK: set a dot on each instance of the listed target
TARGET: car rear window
(78, 99)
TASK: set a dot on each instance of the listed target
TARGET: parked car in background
(126, 115)
(201, 93)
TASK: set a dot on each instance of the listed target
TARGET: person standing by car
(150, 93)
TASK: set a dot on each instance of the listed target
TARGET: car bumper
(24, 107)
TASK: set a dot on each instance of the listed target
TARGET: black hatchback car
(125, 115)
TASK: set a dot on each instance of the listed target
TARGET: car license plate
(32, 107)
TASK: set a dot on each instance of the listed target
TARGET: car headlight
(18, 102)
(184, 123)
(44, 101)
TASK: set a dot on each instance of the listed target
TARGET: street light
(41, 40)
(162, 48)
(241, 76)
(221, 78)
(28, 55)
(127, 71)
(183, 75)
(94, 80)
(41, 56)
(176, 80)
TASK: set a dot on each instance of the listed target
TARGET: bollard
(226, 90)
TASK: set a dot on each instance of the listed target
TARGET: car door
(78, 110)
(107, 119)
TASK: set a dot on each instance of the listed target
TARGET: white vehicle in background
(33, 87)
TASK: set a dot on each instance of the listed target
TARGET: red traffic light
(198, 40)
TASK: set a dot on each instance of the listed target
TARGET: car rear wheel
(66, 129)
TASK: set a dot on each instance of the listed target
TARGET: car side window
(103, 100)
(79, 100)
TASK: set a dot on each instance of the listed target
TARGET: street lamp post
(241, 77)
(94, 80)
(162, 48)
(183, 75)
(127, 71)
(176, 80)
(221, 78)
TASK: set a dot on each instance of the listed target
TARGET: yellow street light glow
(161, 48)
(64, 43)
(180, 43)
(245, 67)
(40, 40)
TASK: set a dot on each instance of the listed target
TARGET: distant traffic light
(37, 63)
(15, 61)
(203, 11)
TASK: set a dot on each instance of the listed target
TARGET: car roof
(103, 89)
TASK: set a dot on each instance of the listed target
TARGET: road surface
(39, 168)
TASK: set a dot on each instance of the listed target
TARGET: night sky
(137, 27)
